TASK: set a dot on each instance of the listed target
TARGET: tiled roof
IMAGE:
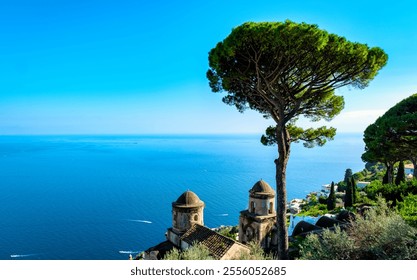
(217, 244)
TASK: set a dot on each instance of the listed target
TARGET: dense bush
(328, 246)
(381, 235)
(364, 199)
(391, 192)
(359, 176)
(313, 210)
(408, 209)
(322, 199)
(255, 253)
(229, 231)
(196, 252)
(341, 186)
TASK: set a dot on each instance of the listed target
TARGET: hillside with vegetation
(385, 210)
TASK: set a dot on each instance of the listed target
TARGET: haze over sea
(103, 197)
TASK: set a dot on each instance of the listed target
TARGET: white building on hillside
(409, 169)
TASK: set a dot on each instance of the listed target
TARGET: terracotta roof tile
(217, 244)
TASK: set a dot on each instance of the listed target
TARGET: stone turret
(261, 199)
(187, 210)
(258, 221)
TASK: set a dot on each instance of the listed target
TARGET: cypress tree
(385, 178)
(354, 191)
(331, 200)
(348, 175)
(400, 174)
(349, 194)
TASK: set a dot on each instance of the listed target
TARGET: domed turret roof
(188, 199)
(262, 188)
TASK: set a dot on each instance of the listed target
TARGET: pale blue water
(101, 197)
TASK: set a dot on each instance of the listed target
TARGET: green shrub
(313, 199)
(359, 176)
(255, 253)
(195, 252)
(341, 186)
(373, 188)
(200, 252)
(229, 231)
(381, 235)
(313, 210)
(408, 209)
(391, 192)
(322, 199)
(327, 246)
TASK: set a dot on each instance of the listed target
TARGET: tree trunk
(283, 142)
(389, 173)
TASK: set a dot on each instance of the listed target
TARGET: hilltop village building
(256, 223)
(409, 170)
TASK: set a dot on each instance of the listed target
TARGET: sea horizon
(107, 196)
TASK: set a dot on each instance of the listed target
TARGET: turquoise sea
(104, 197)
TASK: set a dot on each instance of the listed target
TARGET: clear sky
(138, 67)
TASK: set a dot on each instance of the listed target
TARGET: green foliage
(311, 137)
(255, 253)
(354, 191)
(331, 200)
(341, 186)
(385, 179)
(200, 252)
(349, 194)
(313, 210)
(373, 189)
(314, 207)
(391, 192)
(362, 198)
(322, 199)
(379, 145)
(381, 235)
(328, 246)
(195, 252)
(295, 246)
(359, 176)
(296, 63)
(348, 175)
(393, 137)
(371, 172)
(374, 167)
(285, 70)
(408, 209)
(313, 199)
(229, 231)
(400, 174)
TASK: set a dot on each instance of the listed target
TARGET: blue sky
(138, 67)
